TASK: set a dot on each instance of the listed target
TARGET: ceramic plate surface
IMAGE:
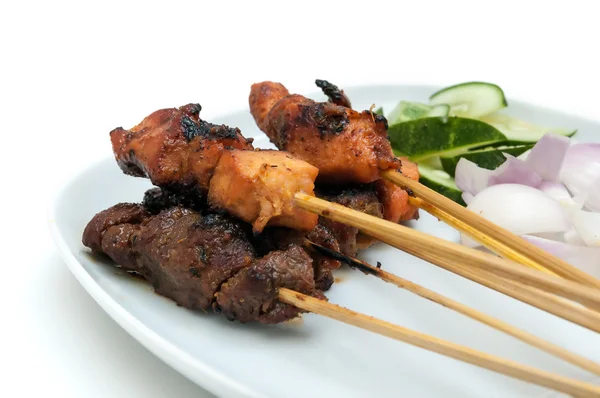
(314, 356)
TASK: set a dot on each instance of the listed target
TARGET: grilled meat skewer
(178, 150)
(346, 146)
(202, 261)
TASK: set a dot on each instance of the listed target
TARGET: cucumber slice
(406, 111)
(489, 158)
(520, 131)
(472, 99)
(436, 136)
(441, 182)
(379, 111)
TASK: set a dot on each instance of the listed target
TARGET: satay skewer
(421, 291)
(447, 348)
(420, 244)
(489, 234)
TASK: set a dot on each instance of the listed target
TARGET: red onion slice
(585, 258)
(581, 173)
(520, 209)
(473, 179)
(547, 156)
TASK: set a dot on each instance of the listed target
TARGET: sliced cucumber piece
(472, 99)
(441, 182)
(379, 111)
(436, 136)
(489, 158)
(406, 111)
(520, 131)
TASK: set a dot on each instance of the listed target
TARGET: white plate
(317, 357)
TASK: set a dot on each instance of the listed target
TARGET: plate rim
(214, 381)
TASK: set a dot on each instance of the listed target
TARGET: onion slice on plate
(474, 179)
(547, 156)
(520, 209)
(581, 173)
(585, 258)
(587, 224)
(560, 193)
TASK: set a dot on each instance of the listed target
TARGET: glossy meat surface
(174, 146)
(259, 187)
(345, 145)
(395, 199)
(362, 198)
(203, 261)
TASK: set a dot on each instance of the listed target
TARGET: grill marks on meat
(252, 293)
(315, 132)
(335, 95)
(362, 198)
(283, 238)
(202, 261)
(175, 146)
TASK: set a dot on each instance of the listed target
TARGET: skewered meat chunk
(345, 145)
(395, 199)
(259, 187)
(122, 213)
(278, 238)
(202, 261)
(174, 146)
(272, 238)
(362, 198)
(252, 293)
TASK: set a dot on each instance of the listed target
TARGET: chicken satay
(175, 147)
(259, 188)
(345, 145)
(395, 199)
(202, 261)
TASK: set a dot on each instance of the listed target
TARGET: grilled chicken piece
(395, 199)
(202, 261)
(259, 187)
(345, 145)
(174, 146)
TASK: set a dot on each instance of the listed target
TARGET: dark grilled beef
(193, 259)
(362, 198)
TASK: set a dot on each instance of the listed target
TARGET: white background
(69, 73)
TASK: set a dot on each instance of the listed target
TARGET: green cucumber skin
(504, 101)
(490, 159)
(379, 111)
(411, 138)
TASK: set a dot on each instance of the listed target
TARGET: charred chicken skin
(345, 145)
(178, 150)
(175, 147)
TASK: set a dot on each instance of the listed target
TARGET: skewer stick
(421, 244)
(477, 235)
(465, 354)
(550, 303)
(502, 326)
(485, 227)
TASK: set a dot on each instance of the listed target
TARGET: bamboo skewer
(420, 243)
(492, 230)
(545, 301)
(472, 313)
(473, 233)
(465, 354)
